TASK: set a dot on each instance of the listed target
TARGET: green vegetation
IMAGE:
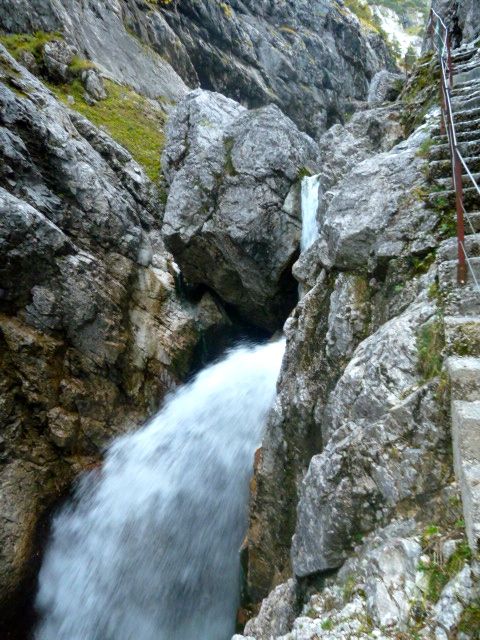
(430, 344)
(421, 265)
(19, 43)
(470, 620)
(439, 572)
(227, 9)
(327, 624)
(420, 93)
(424, 149)
(132, 120)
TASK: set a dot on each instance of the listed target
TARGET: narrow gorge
(239, 320)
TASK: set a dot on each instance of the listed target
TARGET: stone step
(464, 374)
(443, 168)
(448, 249)
(462, 54)
(466, 77)
(462, 88)
(462, 136)
(447, 183)
(462, 336)
(466, 116)
(466, 126)
(466, 456)
(467, 149)
(472, 222)
(463, 300)
(467, 64)
(447, 199)
(462, 103)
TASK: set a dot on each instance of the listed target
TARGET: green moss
(438, 572)
(470, 620)
(424, 149)
(420, 93)
(79, 64)
(327, 624)
(349, 588)
(227, 10)
(422, 265)
(430, 344)
(304, 172)
(18, 43)
(129, 118)
(229, 166)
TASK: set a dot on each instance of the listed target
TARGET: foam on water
(148, 548)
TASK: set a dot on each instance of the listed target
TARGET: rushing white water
(310, 200)
(148, 549)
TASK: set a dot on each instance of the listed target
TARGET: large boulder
(233, 218)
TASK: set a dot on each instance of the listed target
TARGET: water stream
(148, 547)
(310, 201)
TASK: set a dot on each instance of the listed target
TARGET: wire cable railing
(442, 43)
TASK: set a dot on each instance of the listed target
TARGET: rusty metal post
(449, 58)
(462, 265)
(443, 101)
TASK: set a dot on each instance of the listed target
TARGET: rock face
(254, 52)
(462, 16)
(232, 218)
(262, 52)
(104, 33)
(348, 279)
(92, 330)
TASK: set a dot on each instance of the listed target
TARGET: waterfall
(310, 200)
(148, 549)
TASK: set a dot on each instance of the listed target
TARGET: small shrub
(430, 344)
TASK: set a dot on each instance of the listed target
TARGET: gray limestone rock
(373, 456)
(229, 220)
(93, 333)
(277, 613)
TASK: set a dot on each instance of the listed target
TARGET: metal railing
(442, 42)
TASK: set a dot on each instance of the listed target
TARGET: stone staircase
(462, 304)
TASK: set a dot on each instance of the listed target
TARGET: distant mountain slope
(403, 21)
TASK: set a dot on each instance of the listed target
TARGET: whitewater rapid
(149, 546)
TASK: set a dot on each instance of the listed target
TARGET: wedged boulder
(233, 217)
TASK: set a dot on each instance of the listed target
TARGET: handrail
(458, 161)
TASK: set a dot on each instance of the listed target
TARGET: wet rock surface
(93, 332)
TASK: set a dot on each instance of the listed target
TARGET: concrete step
(462, 336)
(466, 77)
(465, 126)
(447, 183)
(465, 102)
(448, 249)
(464, 374)
(466, 116)
(467, 149)
(466, 456)
(462, 136)
(447, 199)
(443, 168)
